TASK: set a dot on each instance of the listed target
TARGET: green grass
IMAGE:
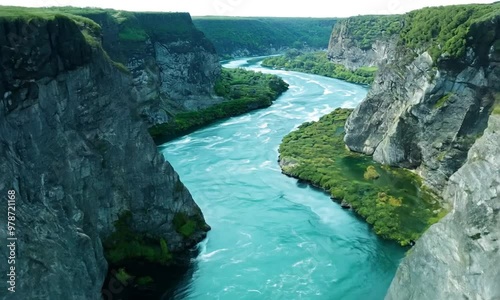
(443, 100)
(27, 15)
(133, 34)
(318, 63)
(496, 105)
(392, 200)
(244, 91)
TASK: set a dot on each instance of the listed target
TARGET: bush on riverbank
(243, 91)
(392, 200)
(317, 63)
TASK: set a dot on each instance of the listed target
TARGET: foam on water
(272, 237)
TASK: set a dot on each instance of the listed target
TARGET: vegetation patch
(258, 35)
(186, 225)
(123, 276)
(318, 63)
(447, 30)
(243, 91)
(365, 30)
(496, 105)
(124, 244)
(144, 281)
(371, 173)
(443, 100)
(393, 200)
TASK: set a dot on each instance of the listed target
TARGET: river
(271, 237)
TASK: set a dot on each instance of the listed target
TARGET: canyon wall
(79, 156)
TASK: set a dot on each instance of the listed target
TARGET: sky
(290, 8)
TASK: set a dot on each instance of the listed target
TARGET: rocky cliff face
(423, 115)
(78, 155)
(457, 258)
(434, 114)
(347, 49)
(174, 67)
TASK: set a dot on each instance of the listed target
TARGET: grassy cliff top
(447, 30)
(365, 30)
(27, 14)
(442, 31)
(133, 26)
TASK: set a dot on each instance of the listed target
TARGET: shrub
(318, 63)
(371, 173)
(123, 276)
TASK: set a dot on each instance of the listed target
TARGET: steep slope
(363, 41)
(174, 67)
(429, 103)
(252, 36)
(434, 98)
(458, 257)
(78, 157)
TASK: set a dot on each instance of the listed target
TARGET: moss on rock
(125, 244)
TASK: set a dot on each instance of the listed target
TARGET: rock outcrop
(349, 48)
(433, 107)
(173, 65)
(425, 115)
(78, 155)
(457, 258)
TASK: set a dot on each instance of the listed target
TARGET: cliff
(173, 65)
(433, 107)
(363, 41)
(458, 257)
(78, 156)
(426, 109)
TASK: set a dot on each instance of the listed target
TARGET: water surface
(273, 238)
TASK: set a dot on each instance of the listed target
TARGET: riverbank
(392, 200)
(317, 63)
(301, 245)
(243, 91)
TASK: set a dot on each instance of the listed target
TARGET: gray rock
(78, 155)
(171, 74)
(458, 257)
(342, 49)
(426, 117)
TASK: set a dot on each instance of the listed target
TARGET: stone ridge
(78, 155)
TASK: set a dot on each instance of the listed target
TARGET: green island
(318, 63)
(258, 35)
(446, 31)
(393, 200)
(242, 90)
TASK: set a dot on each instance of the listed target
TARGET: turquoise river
(272, 237)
